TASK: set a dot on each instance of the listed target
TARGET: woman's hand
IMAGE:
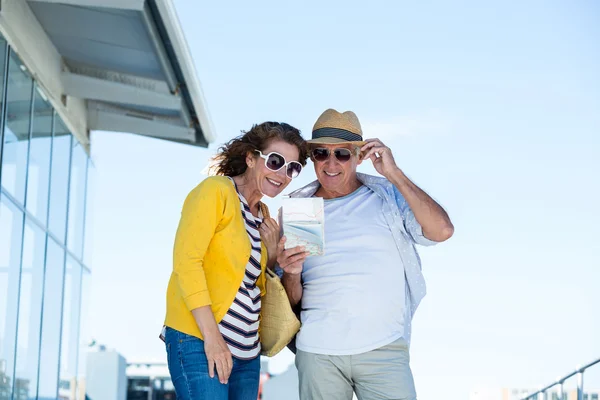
(219, 356)
(215, 348)
(269, 233)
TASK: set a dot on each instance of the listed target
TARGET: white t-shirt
(354, 296)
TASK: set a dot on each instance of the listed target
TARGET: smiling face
(271, 183)
(337, 178)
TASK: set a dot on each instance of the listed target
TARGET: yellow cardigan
(210, 255)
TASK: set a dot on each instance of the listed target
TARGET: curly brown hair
(231, 157)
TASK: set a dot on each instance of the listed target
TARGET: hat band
(336, 133)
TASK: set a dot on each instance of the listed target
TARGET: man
(358, 299)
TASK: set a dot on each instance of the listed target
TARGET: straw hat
(335, 127)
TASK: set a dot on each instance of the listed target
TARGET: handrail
(578, 371)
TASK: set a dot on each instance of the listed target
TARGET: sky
(493, 109)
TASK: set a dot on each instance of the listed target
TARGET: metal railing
(560, 382)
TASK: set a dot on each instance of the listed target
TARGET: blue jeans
(188, 367)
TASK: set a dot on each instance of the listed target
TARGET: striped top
(239, 326)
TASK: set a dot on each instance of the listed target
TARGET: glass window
(85, 339)
(38, 176)
(11, 235)
(3, 48)
(51, 309)
(89, 215)
(77, 189)
(16, 129)
(70, 330)
(59, 179)
(30, 310)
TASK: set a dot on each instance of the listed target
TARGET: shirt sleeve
(411, 224)
(200, 217)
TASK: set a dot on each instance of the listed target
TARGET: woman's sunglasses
(275, 161)
(322, 154)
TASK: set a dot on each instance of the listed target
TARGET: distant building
(149, 381)
(105, 376)
(519, 393)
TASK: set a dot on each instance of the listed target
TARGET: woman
(222, 248)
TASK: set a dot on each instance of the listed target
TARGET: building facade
(67, 68)
(43, 180)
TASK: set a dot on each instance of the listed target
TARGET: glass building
(67, 68)
(43, 179)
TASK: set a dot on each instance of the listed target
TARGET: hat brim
(332, 140)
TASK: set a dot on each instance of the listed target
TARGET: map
(303, 224)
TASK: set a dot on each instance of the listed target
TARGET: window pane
(77, 198)
(38, 177)
(11, 234)
(85, 338)
(70, 330)
(89, 215)
(30, 310)
(2, 64)
(59, 179)
(52, 307)
(16, 130)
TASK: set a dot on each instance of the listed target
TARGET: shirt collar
(369, 181)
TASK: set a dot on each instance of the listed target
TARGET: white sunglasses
(275, 161)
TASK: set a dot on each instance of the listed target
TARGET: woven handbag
(278, 322)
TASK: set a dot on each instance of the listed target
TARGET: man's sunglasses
(275, 161)
(322, 154)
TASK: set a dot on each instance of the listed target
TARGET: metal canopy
(129, 60)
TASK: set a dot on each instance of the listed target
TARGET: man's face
(336, 174)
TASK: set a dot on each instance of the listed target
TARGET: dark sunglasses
(275, 161)
(322, 154)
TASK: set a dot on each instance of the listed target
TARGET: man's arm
(430, 215)
(293, 287)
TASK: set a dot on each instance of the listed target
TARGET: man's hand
(269, 233)
(291, 260)
(381, 156)
(432, 218)
(219, 356)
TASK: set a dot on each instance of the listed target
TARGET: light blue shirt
(362, 294)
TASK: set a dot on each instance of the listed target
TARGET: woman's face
(271, 183)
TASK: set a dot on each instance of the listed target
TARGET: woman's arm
(217, 352)
(269, 233)
(200, 217)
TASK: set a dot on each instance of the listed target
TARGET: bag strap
(271, 274)
(265, 210)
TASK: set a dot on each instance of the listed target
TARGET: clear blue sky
(494, 109)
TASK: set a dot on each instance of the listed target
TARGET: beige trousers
(383, 373)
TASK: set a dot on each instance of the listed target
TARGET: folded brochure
(303, 224)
